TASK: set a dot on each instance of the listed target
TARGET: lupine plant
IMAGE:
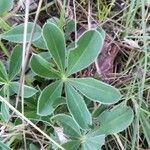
(84, 126)
(79, 126)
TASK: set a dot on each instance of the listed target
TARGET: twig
(75, 18)
(119, 142)
(22, 80)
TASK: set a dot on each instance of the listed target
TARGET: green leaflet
(5, 112)
(5, 5)
(77, 107)
(28, 91)
(47, 98)
(33, 147)
(93, 142)
(42, 67)
(15, 62)
(69, 28)
(70, 127)
(40, 43)
(46, 55)
(32, 114)
(16, 33)
(114, 120)
(71, 145)
(88, 47)
(55, 42)
(96, 90)
(102, 32)
(3, 73)
(53, 20)
(59, 101)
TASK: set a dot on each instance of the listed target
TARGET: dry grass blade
(29, 122)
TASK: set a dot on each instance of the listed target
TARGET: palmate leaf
(55, 42)
(77, 107)
(96, 90)
(114, 120)
(47, 98)
(16, 33)
(3, 73)
(28, 91)
(88, 47)
(70, 127)
(15, 62)
(5, 5)
(42, 67)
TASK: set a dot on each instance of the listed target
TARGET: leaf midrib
(60, 61)
(87, 85)
(77, 104)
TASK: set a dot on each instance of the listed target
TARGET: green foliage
(33, 147)
(81, 56)
(28, 91)
(3, 73)
(8, 80)
(77, 107)
(47, 98)
(96, 90)
(7, 77)
(5, 5)
(62, 99)
(43, 68)
(57, 45)
(93, 142)
(73, 131)
(39, 43)
(15, 62)
(114, 120)
(5, 112)
(70, 127)
(71, 145)
(88, 47)
(15, 34)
